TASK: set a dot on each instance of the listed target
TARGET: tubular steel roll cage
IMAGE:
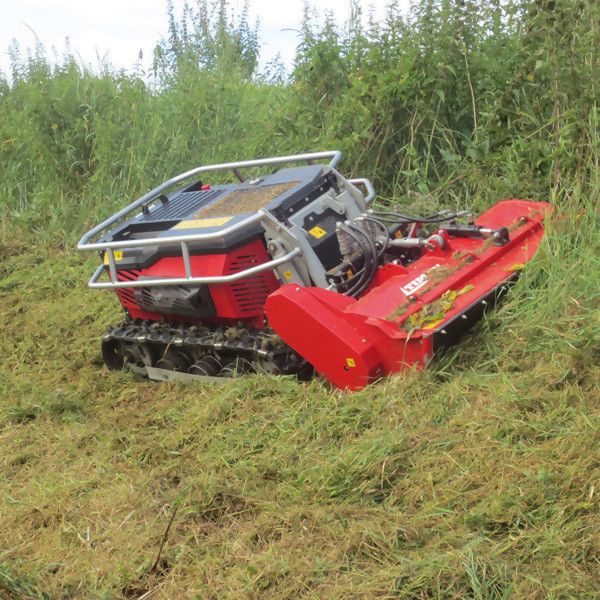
(110, 247)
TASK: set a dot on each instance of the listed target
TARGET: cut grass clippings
(477, 478)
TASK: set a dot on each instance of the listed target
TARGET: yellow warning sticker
(201, 223)
(288, 275)
(317, 232)
(118, 256)
(351, 362)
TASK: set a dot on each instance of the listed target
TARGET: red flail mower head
(408, 312)
(294, 270)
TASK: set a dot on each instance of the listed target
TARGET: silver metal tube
(174, 239)
(94, 283)
(185, 252)
(368, 185)
(418, 242)
(334, 155)
(407, 243)
(111, 265)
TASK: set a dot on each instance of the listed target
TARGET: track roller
(119, 354)
(174, 360)
(236, 367)
(208, 365)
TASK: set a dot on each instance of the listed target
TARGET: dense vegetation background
(475, 479)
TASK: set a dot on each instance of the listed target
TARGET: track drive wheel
(208, 365)
(174, 360)
(236, 367)
(118, 354)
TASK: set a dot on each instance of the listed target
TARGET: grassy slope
(476, 479)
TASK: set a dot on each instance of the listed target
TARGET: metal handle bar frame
(189, 279)
(84, 244)
(109, 247)
(368, 186)
(183, 240)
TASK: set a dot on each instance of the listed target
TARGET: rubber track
(259, 345)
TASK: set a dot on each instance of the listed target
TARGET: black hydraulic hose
(391, 217)
(406, 219)
(385, 230)
(371, 244)
(396, 219)
(342, 287)
(370, 252)
(357, 287)
(366, 277)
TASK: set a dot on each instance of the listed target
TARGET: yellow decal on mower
(118, 256)
(317, 232)
(202, 223)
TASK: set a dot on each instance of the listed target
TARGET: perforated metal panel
(251, 293)
(126, 294)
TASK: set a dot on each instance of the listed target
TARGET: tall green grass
(454, 102)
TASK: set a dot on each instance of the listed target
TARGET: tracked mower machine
(289, 270)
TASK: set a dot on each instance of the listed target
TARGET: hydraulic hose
(371, 257)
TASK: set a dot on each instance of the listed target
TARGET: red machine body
(243, 300)
(296, 270)
(408, 313)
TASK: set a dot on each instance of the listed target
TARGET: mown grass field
(476, 479)
(479, 478)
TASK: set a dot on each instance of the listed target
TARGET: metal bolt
(443, 332)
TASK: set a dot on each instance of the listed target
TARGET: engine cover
(225, 303)
(179, 300)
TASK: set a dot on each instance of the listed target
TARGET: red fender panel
(311, 320)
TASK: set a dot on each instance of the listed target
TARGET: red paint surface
(332, 331)
(243, 300)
